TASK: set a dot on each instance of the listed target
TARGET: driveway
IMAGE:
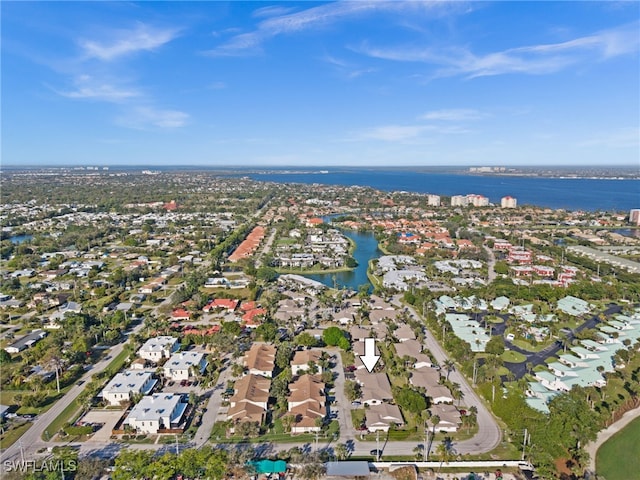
(213, 407)
(342, 404)
(108, 418)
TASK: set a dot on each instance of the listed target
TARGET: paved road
(31, 441)
(343, 406)
(213, 407)
(538, 358)
(489, 433)
(491, 276)
(267, 247)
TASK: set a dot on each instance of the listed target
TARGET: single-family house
(449, 416)
(26, 342)
(382, 417)
(375, 387)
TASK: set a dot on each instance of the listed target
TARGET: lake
(366, 249)
(20, 238)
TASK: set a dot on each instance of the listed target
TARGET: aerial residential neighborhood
(213, 329)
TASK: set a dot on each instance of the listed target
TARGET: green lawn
(10, 436)
(512, 356)
(619, 457)
(524, 345)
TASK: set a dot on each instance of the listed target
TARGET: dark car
(376, 453)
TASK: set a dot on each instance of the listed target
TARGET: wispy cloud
(124, 42)
(346, 69)
(272, 11)
(250, 42)
(402, 133)
(533, 59)
(217, 86)
(144, 117)
(454, 115)
(623, 138)
(88, 88)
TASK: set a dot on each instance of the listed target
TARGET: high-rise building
(477, 200)
(433, 200)
(634, 216)
(459, 201)
(508, 202)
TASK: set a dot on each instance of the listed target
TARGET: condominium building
(508, 202)
(156, 412)
(158, 348)
(125, 385)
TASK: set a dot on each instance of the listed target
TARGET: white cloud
(272, 11)
(533, 59)
(347, 69)
(393, 133)
(400, 133)
(90, 89)
(217, 86)
(622, 138)
(322, 15)
(145, 117)
(123, 42)
(453, 114)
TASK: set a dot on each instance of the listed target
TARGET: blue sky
(315, 83)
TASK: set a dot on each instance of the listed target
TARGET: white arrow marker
(369, 359)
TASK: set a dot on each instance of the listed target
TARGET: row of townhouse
(306, 403)
(584, 364)
(249, 402)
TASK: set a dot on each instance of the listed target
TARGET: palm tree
(287, 421)
(445, 451)
(449, 365)
(341, 451)
(456, 393)
(435, 420)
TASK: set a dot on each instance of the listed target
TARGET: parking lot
(108, 418)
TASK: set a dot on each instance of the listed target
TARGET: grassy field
(513, 356)
(619, 457)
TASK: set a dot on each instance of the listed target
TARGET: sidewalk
(607, 433)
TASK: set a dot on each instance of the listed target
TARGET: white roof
(153, 407)
(158, 344)
(183, 360)
(128, 381)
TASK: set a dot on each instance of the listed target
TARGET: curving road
(489, 433)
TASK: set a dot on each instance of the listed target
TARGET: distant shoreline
(612, 172)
